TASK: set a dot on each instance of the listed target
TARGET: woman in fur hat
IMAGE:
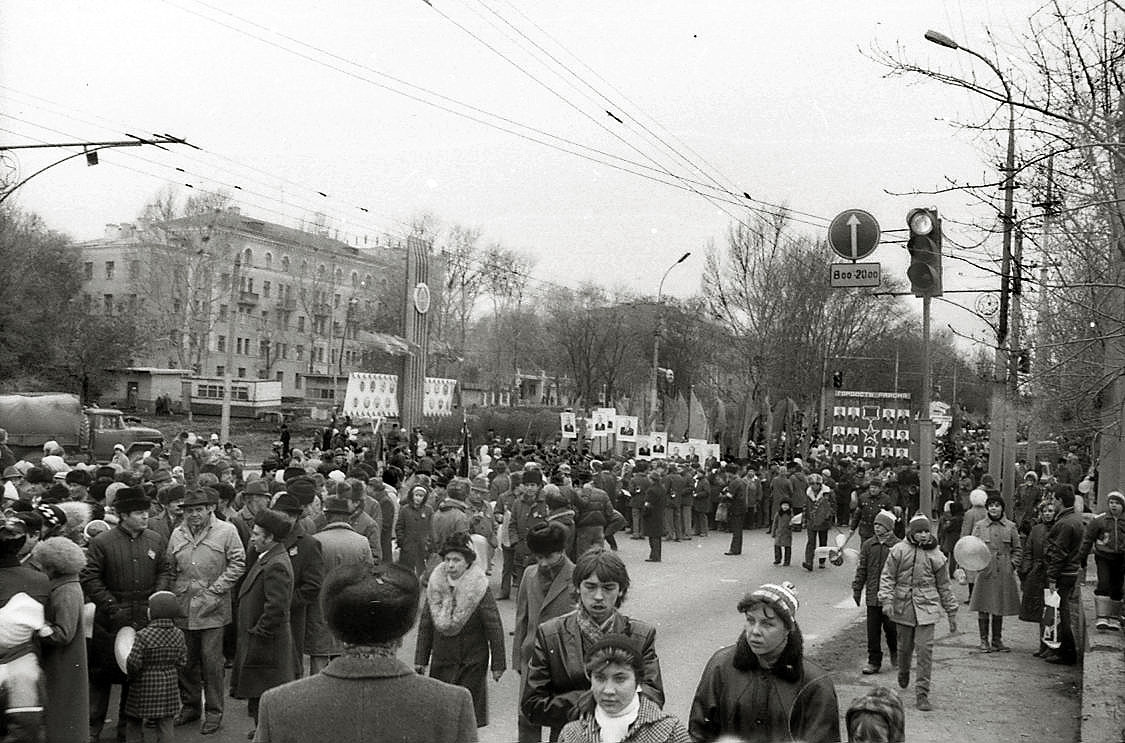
(460, 627)
(996, 595)
(64, 651)
(762, 688)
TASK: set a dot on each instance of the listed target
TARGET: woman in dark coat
(1033, 571)
(412, 531)
(762, 688)
(64, 651)
(460, 628)
(265, 644)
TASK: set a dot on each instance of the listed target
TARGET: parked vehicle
(32, 419)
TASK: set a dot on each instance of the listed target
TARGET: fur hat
(163, 605)
(1031, 475)
(457, 488)
(336, 504)
(59, 556)
(546, 537)
(977, 497)
(287, 503)
(78, 477)
(887, 519)
(273, 522)
(782, 598)
(459, 542)
(995, 499)
(57, 493)
(366, 608)
(301, 488)
(291, 473)
(129, 500)
(532, 477)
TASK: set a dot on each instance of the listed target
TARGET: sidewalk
(980, 697)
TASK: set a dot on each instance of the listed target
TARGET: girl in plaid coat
(159, 651)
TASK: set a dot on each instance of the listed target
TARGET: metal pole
(1011, 426)
(653, 396)
(896, 370)
(823, 394)
(232, 313)
(925, 425)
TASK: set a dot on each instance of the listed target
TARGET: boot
(1115, 615)
(982, 624)
(998, 645)
(1102, 609)
(923, 703)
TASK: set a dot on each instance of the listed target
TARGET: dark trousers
(1065, 587)
(815, 537)
(879, 623)
(701, 523)
(997, 626)
(782, 554)
(99, 708)
(735, 522)
(1111, 572)
(134, 730)
(654, 545)
(507, 575)
(203, 674)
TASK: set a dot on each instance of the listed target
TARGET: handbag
(721, 512)
(797, 522)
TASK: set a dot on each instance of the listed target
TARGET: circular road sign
(853, 234)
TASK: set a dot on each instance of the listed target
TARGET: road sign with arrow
(854, 234)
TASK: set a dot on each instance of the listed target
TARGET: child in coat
(159, 651)
(782, 533)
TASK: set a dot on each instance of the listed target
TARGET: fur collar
(787, 668)
(452, 605)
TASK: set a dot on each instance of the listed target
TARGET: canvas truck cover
(33, 419)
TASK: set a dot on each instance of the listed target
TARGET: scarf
(380, 650)
(614, 728)
(452, 602)
(593, 632)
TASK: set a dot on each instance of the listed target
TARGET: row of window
(111, 269)
(208, 390)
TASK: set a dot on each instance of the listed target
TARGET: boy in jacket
(868, 570)
(1105, 535)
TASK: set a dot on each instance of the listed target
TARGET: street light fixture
(653, 396)
(1002, 468)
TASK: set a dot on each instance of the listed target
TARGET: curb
(1103, 681)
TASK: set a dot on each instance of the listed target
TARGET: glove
(856, 596)
(888, 609)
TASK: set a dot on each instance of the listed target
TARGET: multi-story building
(271, 302)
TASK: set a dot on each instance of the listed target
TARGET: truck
(86, 433)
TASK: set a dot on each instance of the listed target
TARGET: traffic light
(838, 379)
(924, 245)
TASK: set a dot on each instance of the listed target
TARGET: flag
(466, 447)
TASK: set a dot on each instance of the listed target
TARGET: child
(949, 530)
(876, 717)
(782, 533)
(913, 588)
(976, 512)
(1105, 535)
(869, 568)
(158, 652)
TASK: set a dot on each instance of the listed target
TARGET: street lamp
(1002, 467)
(656, 336)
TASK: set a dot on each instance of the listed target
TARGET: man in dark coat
(265, 643)
(655, 496)
(1064, 567)
(125, 566)
(736, 509)
(306, 558)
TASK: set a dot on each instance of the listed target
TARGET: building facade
(223, 291)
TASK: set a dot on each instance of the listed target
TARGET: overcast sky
(775, 99)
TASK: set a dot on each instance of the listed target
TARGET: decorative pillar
(416, 331)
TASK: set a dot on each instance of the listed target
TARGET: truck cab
(106, 427)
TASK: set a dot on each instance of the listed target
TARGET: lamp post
(1001, 460)
(653, 397)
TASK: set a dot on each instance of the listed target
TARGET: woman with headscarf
(996, 594)
(64, 650)
(762, 688)
(1033, 571)
(460, 628)
(556, 671)
(615, 712)
(412, 531)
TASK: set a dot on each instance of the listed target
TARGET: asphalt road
(690, 597)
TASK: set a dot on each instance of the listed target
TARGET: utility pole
(232, 314)
(1035, 426)
(1008, 483)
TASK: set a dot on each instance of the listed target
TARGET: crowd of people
(182, 576)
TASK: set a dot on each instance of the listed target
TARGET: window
(134, 269)
(177, 306)
(269, 260)
(224, 281)
(109, 269)
(297, 378)
(250, 284)
(281, 377)
(265, 318)
(220, 371)
(88, 270)
(87, 302)
(132, 304)
(241, 372)
(266, 289)
(108, 300)
(336, 301)
(221, 343)
(300, 323)
(222, 313)
(300, 354)
(285, 264)
(264, 348)
(355, 280)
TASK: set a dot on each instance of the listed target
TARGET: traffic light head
(838, 379)
(924, 245)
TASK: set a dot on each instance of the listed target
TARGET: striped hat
(781, 597)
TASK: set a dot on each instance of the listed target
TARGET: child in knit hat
(159, 651)
(782, 532)
(913, 590)
(869, 568)
(1105, 535)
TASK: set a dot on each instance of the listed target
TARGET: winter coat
(975, 513)
(534, 605)
(340, 547)
(794, 700)
(1105, 535)
(1064, 546)
(782, 530)
(863, 517)
(1033, 574)
(412, 531)
(462, 657)
(914, 585)
(565, 516)
(637, 486)
(995, 590)
(159, 652)
(655, 494)
(820, 508)
(556, 674)
(264, 656)
(205, 566)
(869, 568)
(701, 501)
(737, 503)
(64, 663)
(374, 700)
(451, 517)
(651, 726)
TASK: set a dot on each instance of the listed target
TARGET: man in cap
(207, 559)
(341, 547)
(255, 498)
(124, 566)
(167, 513)
(353, 491)
(307, 561)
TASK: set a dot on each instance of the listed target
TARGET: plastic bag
(1051, 619)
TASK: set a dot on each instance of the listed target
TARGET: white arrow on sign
(853, 222)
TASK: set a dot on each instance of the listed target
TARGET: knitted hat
(885, 704)
(459, 542)
(53, 516)
(546, 537)
(887, 519)
(782, 598)
(917, 524)
(163, 605)
(977, 497)
(1115, 497)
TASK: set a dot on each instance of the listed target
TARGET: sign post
(853, 235)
